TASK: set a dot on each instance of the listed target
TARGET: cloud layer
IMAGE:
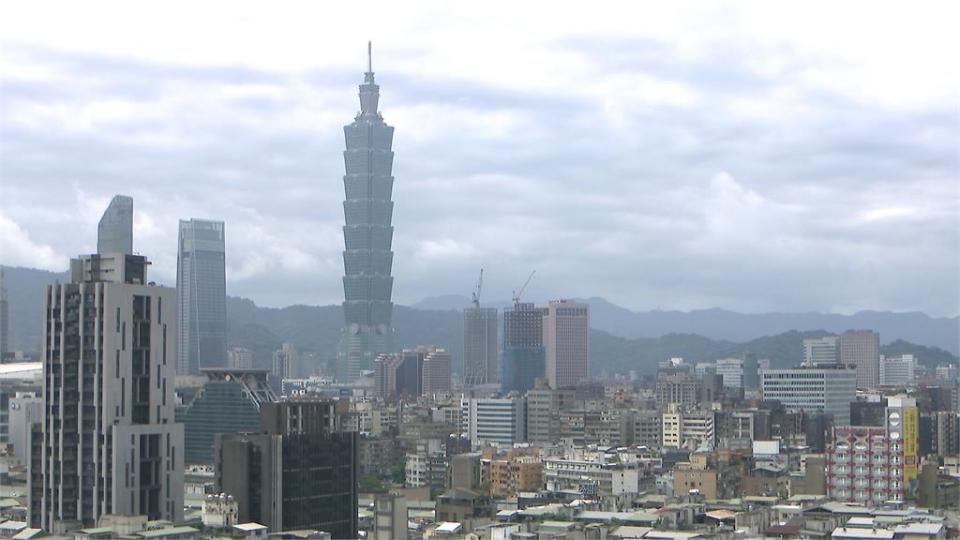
(749, 158)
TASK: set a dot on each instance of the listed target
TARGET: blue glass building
(524, 357)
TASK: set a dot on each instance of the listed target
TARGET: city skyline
(673, 159)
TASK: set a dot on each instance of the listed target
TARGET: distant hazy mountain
(25, 294)
(721, 324)
(914, 327)
(621, 340)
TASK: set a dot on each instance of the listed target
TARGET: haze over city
(753, 157)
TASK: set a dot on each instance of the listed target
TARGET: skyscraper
(523, 352)
(202, 295)
(566, 341)
(367, 236)
(108, 443)
(115, 232)
(479, 346)
(861, 348)
(4, 318)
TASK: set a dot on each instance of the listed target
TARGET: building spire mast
(369, 56)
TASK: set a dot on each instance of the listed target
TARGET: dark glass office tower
(201, 297)
(367, 235)
(298, 472)
(524, 357)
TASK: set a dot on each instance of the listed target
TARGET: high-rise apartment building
(115, 231)
(202, 296)
(286, 363)
(861, 348)
(822, 351)
(367, 235)
(676, 385)
(829, 390)
(436, 371)
(480, 346)
(566, 342)
(4, 318)
(692, 429)
(298, 472)
(239, 358)
(109, 443)
(523, 352)
(874, 465)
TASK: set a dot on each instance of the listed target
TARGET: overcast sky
(757, 156)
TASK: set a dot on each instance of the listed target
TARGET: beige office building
(861, 348)
(566, 341)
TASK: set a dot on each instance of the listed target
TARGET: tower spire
(369, 56)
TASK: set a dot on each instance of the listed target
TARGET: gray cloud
(660, 181)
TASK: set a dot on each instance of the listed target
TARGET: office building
(109, 443)
(898, 370)
(501, 421)
(229, 402)
(436, 371)
(523, 351)
(25, 410)
(566, 342)
(367, 235)
(480, 346)
(115, 231)
(731, 369)
(861, 348)
(16, 379)
(4, 318)
(298, 472)
(400, 374)
(202, 296)
(822, 351)
(829, 390)
(751, 371)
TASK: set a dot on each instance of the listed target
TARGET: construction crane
(476, 293)
(516, 294)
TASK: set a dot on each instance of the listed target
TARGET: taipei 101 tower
(367, 236)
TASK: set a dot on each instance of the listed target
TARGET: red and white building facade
(865, 465)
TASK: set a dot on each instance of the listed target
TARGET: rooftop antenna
(369, 56)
